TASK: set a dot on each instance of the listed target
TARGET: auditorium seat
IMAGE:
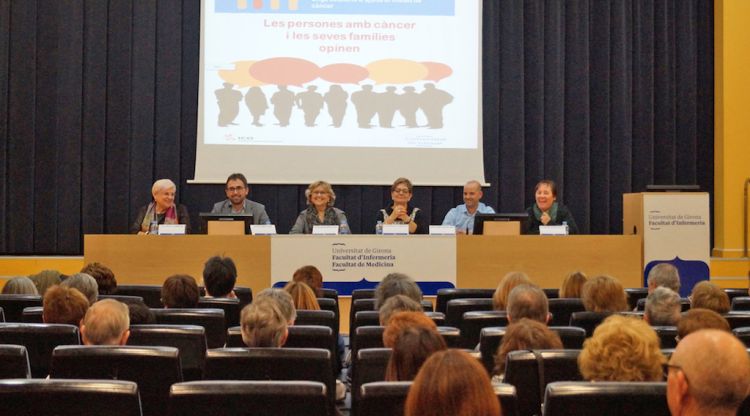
(562, 308)
(606, 398)
(248, 398)
(531, 371)
(447, 294)
(427, 306)
(122, 298)
(490, 339)
(667, 336)
(322, 318)
(330, 294)
(309, 364)
(2, 315)
(32, 315)
(472, 323)
(14, 362)
(13, 305)
(684, 304)
(634, 294)
(230, 306)
(383, 398)
(190, 340)
(372, 318)
(212, 320)
(508, 397)
(358, 305)
(244, 294)
(368, 365)
(737, 319)
(551, 292)
(368, 336)
(456, 307)
(39, 340)
(362, 294)
(735, 293)
(69, 398)
(451, 335)
(743, 334)
(332, 305)
(588, 320)
(154, 369)
(151, 294)
(741, 303)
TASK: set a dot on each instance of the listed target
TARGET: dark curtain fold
(99, 98)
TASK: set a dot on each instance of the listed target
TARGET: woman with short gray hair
(162, 210)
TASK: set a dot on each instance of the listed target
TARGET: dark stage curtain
(99, 98)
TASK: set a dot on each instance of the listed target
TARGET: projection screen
(348, 91)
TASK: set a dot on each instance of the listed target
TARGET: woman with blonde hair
(20, 285)
(303, 296)
(508, 283)
(572, 285)
(320, 210)
(452, 383)
(263, 324)
(622, 349)
(604, 294)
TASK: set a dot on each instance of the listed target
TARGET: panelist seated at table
(162, 209)
(547, 211)
(320, 210)
(462, 216)
(237, 203)
(400, 212)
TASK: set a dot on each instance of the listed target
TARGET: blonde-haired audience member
(622, 349)
(64, 305)
(303, 296)
(45, 279)
(709, 296)
(107, 322)
(507, 283)
(263, 324)
(452, 383)
(20, 285)
(525, 334)
(604, 294)
(283, 300)
(572, 285)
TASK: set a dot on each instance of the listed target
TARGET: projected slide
(340, 74)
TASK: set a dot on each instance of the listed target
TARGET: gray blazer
(302, 226)
(251, 207)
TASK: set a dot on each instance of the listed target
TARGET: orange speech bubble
(284, 71)
(396, 71)
(437, 71)
(240, 75)
(344, 73)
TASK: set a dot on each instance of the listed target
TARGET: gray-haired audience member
(283, 300)
(398, 303)
(527, 301)
(263, 324)
(709, 374)
(396, 284)
(85, 283)
(20, 285)
(662, 307)
(107, 322)
(663, 274)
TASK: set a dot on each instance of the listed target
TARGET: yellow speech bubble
(240, 75)
(396, 71)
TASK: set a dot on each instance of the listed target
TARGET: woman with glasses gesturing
(400, 212)
(320, 210)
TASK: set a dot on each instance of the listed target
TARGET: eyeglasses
(236, 189)
(319, 193)
(401, 191)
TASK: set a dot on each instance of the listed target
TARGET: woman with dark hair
(400, 212)
(547, 211)
(452, 383)
(526, 334)
(413, 346)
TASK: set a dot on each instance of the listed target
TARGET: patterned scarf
(552, 213)
(170, 217)
(311, 216)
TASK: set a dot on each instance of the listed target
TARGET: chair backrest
(741, 303)
(358, 305)
(552, 292)
(14, 362)
(13, 305)
(328, 304)
(588, 320)
(362, 294)
(322, 318)
(230, 306)
(447, 294)
(508, 398)
(122, 298)
(368, 336)
(2, 315)
(250, 398)
(383, 398)
(610, 398)
(472, 323)
(244, 294)
(523, 371)
(330, 294)
(39, 340)
(309, 364)
(69, 397)
(427, 306)
(667, 336)
(736, 292)
(154, 369)
(190, 340)
(315, 336)
(491, 338)
(451, 335)
(212, 320)
(634, 294)
(151, 294)
(562, 308)
(743, 334)
(368, 365)
(684, 305)
(737, 319)
(32, 315)
(456, 308)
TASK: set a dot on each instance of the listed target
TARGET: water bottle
(379, 228)
(344, 228)
(567, 230)
(153, 228)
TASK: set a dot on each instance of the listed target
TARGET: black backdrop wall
(99, 98)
